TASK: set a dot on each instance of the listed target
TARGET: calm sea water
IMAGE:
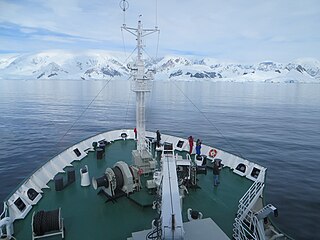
(275, 125)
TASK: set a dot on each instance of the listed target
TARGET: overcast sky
(236, 30)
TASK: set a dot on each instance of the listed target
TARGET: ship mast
(141, 80)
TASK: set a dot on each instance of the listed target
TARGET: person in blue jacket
(198, 147)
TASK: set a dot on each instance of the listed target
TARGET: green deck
(87, 215)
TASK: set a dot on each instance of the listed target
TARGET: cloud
(27, 30)
(242, 30)
(54, 39)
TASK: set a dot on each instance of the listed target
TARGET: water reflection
(276, 125)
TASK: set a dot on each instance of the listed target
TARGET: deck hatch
(32, 194)
(180, 144)
(255, 172)
(20, 204)
(77, 152)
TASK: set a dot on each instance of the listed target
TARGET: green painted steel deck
(88, 215)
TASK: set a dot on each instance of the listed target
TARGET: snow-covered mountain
(62, 65)
(300, 70)
(57, 64)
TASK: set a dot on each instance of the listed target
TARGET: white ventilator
(85, 178)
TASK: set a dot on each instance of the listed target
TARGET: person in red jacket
(135, 133)
(190, 144)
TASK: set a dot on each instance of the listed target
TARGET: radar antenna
(124, 5)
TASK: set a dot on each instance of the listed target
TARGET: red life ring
(213, 153)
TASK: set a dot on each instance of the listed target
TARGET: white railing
(149, 146)
(240, 232)
(246, 224)
(4, 210)
(249, 199)
(5, 222)
(248, 228)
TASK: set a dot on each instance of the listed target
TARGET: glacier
(101, 64)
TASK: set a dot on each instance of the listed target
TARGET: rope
(124, 16)
(129, 100)
(153, 60)
(211, 123)
(157, 51)
(145, 51)
(129, 56)
(156, 13)
(83, 112)
(123, 42)
(37, 223)
(46, 222)
(157, 230)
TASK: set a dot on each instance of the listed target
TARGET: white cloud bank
(244, 31)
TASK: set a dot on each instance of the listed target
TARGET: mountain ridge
(98, 64)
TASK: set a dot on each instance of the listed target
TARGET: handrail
(249, 198)
(3, 214)
(149, 147)
(240, 232)
(248, 228)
